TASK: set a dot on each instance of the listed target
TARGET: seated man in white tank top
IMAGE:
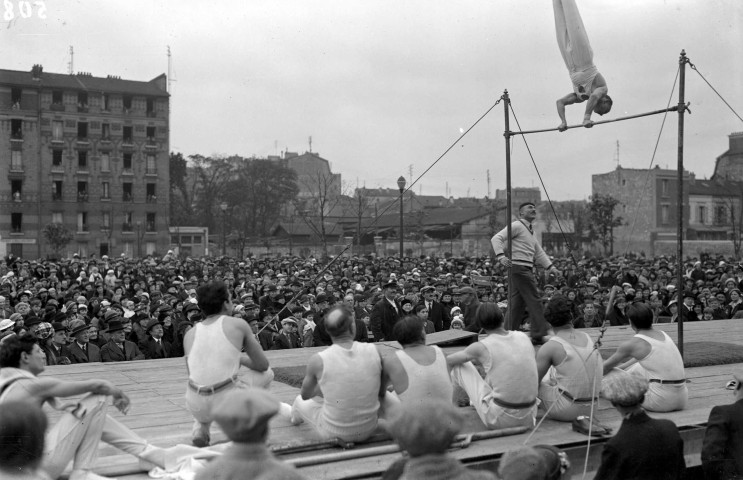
(213, 357)
(653, 355)
(340, 395)
(417, 372)
(508, 395)
(568, 366)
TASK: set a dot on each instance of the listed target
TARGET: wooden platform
(158, 412)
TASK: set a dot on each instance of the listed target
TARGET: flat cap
(426, 427)
(244, 413)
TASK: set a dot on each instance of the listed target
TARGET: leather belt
(504, 404)
(577, 400)
(211, 389)
(667, 382)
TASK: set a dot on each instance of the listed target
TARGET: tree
(603, 220)
(181, 212)
(325, 193)
(211, 176)
(57, 236)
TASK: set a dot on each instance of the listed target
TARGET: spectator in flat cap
(244, 415)
(288, 337)
(722, 450)
(643, 447)
(658, 360)
(118, 349)
(385, 313)
(81, 350)
(425, 430)
(154, 345)
(438, 314)
(58, 345)
(540, 462)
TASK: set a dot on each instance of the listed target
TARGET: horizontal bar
(619, 119)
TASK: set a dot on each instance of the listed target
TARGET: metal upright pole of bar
(507, 135)
(680, 246)
(600, 122)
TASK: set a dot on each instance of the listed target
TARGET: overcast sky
(383, 85)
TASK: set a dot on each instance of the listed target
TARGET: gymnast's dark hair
(409, 330)
(211, 296)
(489, 316)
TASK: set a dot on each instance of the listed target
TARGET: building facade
(648, 205)
(89, 153)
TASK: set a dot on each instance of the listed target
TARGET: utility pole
(71, 65)
(488, 176)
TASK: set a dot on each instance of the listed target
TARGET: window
(664, 187)
(105, 102)
(151, 134)
(150, 224)
(150, 105)
(151, 195)
(105, 191)
(151, 164)
(82, 130)
(127, 164)
(150, 248)
(127, 225)
(82, 98)
(128, 131)
(126, 248)
(16, 222)
(82, 160)
(105, 131)
(16, 128)
(15, 97)
(127, 197)
(16, 161)
(82, 221)
(57, 190)
(127, 100)
(106, 220)
(721, 217)
(57, 217)
(16, 187)
(105, 162)
(664, 213)
(82, 191)
(57, 97)
(56, 158)
(702, 214)
(197, 239)
(57, 130)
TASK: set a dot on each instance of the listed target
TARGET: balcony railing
(150, 171)
(82, 107)
(150, 227)
(17, 197)
(127, 197)
(83, 228)
(16, 136)
(127, 141)
(127, 227)
(16, 229)
(82, 196)
(151, 198)
(16, 167)
(56, 197)
(152, 114)
(82, 139)
(57, 107)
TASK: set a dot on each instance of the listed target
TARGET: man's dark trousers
(524, 295)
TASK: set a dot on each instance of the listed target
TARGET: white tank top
(512, 367)
(425, 381)
(213, 358)
(350, 384)
(664, 361)
(581, 370)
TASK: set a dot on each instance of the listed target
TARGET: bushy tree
(57, 236)
(603, 221)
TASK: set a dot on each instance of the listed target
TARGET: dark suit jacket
(643, 448)
(722, 450)
(56, 357)
(284, 341)
(110, 352)
(438, 315)
(78, 355)
(383, 318)
(151, 350)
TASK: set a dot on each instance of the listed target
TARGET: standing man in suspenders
(213, 358)
(525, 255)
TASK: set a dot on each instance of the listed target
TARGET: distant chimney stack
(36, 71)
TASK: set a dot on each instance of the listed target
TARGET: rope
(628, 237)
(549, 200)
(370, 226)
(694, 67)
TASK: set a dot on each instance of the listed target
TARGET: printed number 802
(25, 10)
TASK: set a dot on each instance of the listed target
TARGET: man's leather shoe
(584, 425)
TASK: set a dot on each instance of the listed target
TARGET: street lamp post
(451, 239)
(223, 206)
(139, 239)
(401, 186)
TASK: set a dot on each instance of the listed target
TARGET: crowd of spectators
(111, 309)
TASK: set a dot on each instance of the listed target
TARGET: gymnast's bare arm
(568, 99)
